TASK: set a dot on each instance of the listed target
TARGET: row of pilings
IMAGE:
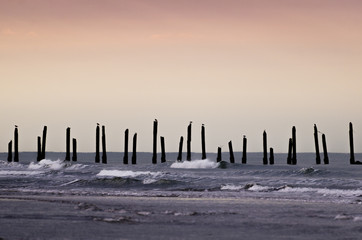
(291, 158)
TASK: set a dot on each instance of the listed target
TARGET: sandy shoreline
(89, 217)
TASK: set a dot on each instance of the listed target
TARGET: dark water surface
(54, 199)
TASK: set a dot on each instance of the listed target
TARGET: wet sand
(105, 217)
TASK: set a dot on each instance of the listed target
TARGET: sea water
(338, 183)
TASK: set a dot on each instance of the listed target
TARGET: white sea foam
(71, 182)
(47, 164)
(258, 188)
(195, 164)
(324, 191)
(126, 173)
(22, 173)
(231, 187)
(149, 180)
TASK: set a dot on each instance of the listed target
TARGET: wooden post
(351, 145)
(97, 158)
(16, 145)
(326, 159)
(39, 155)
(154, 156)
(179, 157)
(232, 159)
(294, 158)
(163, 151)
(271, 158)
(74, 157)
(10, 151)
(243, 160)
(316, 143)
(134, 154)
(67, 142)
(218, 159)
(44, 142)
(125, 154)
(104, 151)
(188, 156)
(265, 158)
(290, 146)
(203, 142)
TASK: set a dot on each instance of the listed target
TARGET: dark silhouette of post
(67, 143)
(294, 158)
(104, 151)
(74, 157)
(290, 146)
(97, 158)
(265, 150)
(16, 145)
(326, 159)
(39, 155)
(179, 157)
(163, 151)
(154, 156)
(243, 159)
(44, 142)
(232, 159)
(203, 142)
(188, 156)
(316, 142)
(271, 157)
(134, 153)
(351, 145)
(125, 154)
(218, 159)
(10, 151)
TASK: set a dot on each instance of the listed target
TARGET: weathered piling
(290, 146)
(74, 157)
(326, 159)
(134, 153)
(44, 142)
(294, 133)
(188, 156)
(179, 157)
(271, 157)
(154, 156)
(218, 159)
(10, 151)
(203, 142)
(67, 143)
(265, 151)
(316, 143)
(163, 151)
(125, 154)
(39, 155)
(232, 159)
(97, 158)
(104, 151)
(351, 145)
(243, 159)
(16, 144)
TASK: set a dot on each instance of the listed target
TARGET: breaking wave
(195, 164)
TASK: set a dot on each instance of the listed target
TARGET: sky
(238, 66)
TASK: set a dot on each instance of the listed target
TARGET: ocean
(56, 199)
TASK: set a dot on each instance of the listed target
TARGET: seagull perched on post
(16, 126)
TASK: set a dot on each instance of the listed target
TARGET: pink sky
(260, 64)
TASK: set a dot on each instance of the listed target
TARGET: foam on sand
(195, 164)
